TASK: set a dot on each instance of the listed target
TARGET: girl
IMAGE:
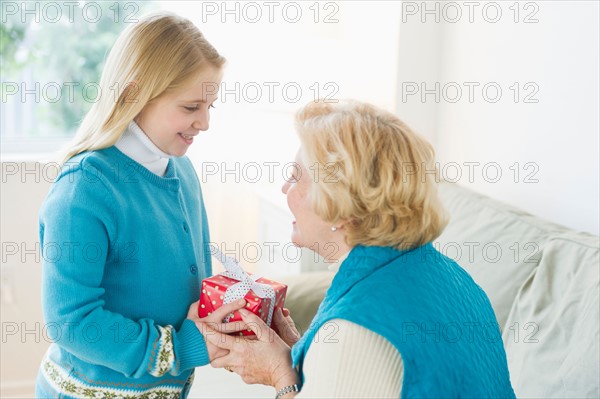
(124, 230)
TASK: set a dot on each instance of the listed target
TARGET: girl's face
(173, 119)
(309, 230)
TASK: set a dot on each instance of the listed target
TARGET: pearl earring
(333, 228)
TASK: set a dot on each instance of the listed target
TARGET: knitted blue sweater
(431, 310)
(124, 252)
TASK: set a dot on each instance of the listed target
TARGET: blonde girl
(123, 230)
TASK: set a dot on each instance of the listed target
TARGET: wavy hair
(372, 171)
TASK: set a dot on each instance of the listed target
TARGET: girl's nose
(201, 122)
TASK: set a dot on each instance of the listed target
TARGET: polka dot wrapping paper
(263, 296)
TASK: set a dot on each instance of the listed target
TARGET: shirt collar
(137, 145)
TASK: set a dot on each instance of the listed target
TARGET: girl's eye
(196, 108)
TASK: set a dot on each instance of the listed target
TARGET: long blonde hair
(373, 171)
(160, 53)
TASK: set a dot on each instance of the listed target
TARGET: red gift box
(213, 294)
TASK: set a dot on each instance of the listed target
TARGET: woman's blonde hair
(373, 171)
(160, 53)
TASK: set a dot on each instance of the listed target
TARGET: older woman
(400, 319)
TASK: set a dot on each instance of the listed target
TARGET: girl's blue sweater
(124, 252)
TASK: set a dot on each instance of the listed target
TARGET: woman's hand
(285, 327)
(214, 322)
(263, 360)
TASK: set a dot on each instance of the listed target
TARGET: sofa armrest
(305, 293)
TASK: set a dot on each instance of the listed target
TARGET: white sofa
(543, 282)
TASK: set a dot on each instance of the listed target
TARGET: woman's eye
(191, 109)
(211, 106)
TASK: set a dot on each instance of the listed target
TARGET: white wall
(356, 54)
(554, 141)
(24, 336)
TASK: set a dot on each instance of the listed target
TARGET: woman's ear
(344, 223)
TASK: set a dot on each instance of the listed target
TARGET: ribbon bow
(246, 283)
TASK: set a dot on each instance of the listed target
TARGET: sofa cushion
(552, 336)
(304, 295)
(499, 245)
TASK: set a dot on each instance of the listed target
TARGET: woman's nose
(285, 187)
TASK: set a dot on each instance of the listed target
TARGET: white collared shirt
(137, 145)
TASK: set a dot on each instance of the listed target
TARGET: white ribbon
(246, 283)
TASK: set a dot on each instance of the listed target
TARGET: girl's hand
(214, 322)
(263, 360)
(285, 327)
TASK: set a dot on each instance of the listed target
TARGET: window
(52, 56)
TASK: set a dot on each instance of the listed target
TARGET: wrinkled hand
(263, 360)
(214, 322)
(285, 327)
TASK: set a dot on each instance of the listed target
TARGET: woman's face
(173, 119)
(309, 230)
